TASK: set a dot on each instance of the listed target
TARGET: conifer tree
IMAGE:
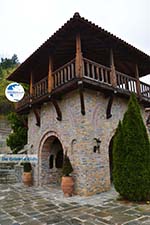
(131, 154)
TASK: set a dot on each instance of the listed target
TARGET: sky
(26, 24)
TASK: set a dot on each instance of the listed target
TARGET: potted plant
(67, 182)
(27, 174)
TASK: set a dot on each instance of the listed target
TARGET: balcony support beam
(81, 93)
(37, 116)
(50, 77)
(113, 71)
(79, 59)
(57, 108)
(109, 106)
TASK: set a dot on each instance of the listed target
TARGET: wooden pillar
(50, 77)
(31, 84)
(113, 71)
(138, 89)
(79, 61)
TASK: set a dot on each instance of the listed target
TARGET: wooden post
(79, 62)
(50, 77)
(113, 71)
(138, 89)
(31, 84)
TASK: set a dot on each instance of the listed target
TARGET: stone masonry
(5, 130)
(76, 134)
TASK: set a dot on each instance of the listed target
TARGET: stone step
(11, 178)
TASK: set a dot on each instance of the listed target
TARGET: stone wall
(76, 134)
(4, 132)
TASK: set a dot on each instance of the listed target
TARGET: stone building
(80, 82)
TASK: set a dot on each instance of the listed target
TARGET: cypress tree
(131, 154)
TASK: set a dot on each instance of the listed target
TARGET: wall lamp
(96, 147)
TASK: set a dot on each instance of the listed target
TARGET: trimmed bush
(67, 167)
(131, 155)
(27, 167)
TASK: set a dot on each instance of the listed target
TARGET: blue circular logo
(14, 92)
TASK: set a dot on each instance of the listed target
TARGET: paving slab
(21, 205)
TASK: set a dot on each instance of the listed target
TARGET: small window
(51, 161)
(59, 159)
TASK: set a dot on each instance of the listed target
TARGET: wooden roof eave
(76, 22)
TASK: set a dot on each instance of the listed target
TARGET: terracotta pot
(67, 185)
(27, 178)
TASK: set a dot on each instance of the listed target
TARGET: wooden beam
(113, 71)
(37, 116)
(57, 108)
(79, 60)
(109, 106)
(31, 84)
(50, 77)
(112, 58)
(138, 88)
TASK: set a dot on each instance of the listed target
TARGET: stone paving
(47, 205)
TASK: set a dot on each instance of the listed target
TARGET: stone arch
(51, 153)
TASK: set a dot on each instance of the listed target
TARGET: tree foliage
(131, 155)
(18, 138)
(7, 66)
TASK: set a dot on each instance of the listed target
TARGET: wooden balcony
(94, 76)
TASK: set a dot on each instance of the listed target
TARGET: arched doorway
(51, 161)
(111, 159)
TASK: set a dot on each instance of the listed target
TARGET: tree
(7, 63)
(131, 154)
(7, 66)
(18, 138)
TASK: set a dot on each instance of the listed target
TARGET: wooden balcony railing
(92, 71)
(40, 88)
(126, 82)
(96, 71)
(145, 90)
(64, 74)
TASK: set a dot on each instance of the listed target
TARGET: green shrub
(67, 167)
(18, 138)
(27, 167)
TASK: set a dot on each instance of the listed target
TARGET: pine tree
(131, 154)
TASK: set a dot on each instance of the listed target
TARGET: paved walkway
(46, 205)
